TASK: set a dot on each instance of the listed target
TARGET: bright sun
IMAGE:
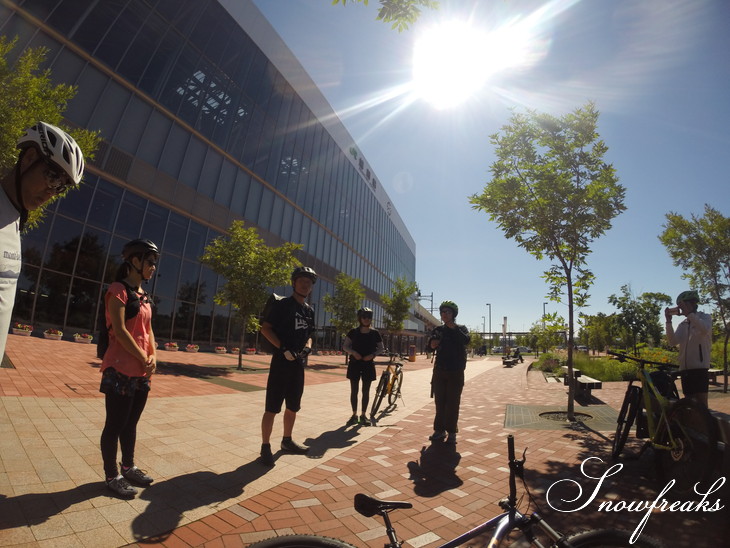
(452, 61)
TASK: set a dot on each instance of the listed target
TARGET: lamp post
(489, 341)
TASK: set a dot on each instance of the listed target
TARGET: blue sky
(658, 71)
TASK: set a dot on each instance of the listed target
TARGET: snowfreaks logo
(659, 503)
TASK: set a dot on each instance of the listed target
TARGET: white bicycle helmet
(58, 146)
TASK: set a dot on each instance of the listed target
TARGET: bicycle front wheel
(626, 417)
(380, 393)
(394, 393)
(610, 537)
(301, 541)
(693, 457)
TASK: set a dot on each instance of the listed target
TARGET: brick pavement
(200, 434)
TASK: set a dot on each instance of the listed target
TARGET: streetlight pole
(489, 341)
(484, 327)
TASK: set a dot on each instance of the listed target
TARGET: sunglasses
(57, 181)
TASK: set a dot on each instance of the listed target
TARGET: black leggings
(354, 385)
(122, 416)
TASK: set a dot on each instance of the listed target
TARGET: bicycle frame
(656, 425)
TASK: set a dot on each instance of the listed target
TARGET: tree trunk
(571, 384)
(241, 346)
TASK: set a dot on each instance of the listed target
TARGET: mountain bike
(682, 432)
(390, 385)
(533, 528)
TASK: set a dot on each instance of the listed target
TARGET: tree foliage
(700, 246)
(638, 317)
(28, 95)
(250, 268)
(344, 303)
(400, 13)
(553, 193)
(549, 332)
(397, 305)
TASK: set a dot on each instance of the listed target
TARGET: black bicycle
(533, 528)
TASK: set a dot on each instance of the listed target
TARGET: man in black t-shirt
(288, 327)
(449, 341)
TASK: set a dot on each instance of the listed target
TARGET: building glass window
(130, 216)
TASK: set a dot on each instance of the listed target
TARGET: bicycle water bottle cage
(518, 466)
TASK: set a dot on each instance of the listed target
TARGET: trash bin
(412, 353)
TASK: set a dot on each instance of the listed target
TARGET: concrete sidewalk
(200, 435)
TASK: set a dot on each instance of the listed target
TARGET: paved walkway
(200, 435)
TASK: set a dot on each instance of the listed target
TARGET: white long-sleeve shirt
(694, 339)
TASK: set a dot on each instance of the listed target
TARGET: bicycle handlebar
(623, 357)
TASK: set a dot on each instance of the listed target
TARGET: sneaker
(437, 436)
(266, 458)
(136, 476)
(290, 446)
(352, 421)
(121, 487)
(451, 438)
(364, 421)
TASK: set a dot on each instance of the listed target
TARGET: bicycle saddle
(369, 506)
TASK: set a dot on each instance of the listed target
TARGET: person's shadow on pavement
(170, 499)
(435, 471)
(332, 439)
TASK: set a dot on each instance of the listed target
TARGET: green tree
(701, 247)
(28, 96)
(639, 316)
(598, 330)
(475, 341)
(397, 305)
(548, 332)
(553, 193)
(250, 268)
(401, 13)
(344, 303)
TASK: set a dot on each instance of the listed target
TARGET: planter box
(224, 351)
(82, 340)
(21, 332)
(249, 352)
(170, 349)
(191, 350)
(52, 336)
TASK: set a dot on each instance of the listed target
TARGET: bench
(583, 383)
(712, 375)
(509, 362)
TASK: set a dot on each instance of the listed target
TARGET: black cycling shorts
(695, 381)
(285, 384)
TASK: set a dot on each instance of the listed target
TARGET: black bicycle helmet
(139, 247)
(451, 305)
(365, 312)
(304, 271)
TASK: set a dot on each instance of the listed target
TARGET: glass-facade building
(205, 117)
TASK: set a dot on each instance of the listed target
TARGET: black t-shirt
(451, 351)
(364, 343)
(292, 322)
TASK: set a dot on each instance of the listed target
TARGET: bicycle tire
(695, 457)
(626, 417)
(301, 541)
(394, 393)
(380, 393)
(600, 538)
